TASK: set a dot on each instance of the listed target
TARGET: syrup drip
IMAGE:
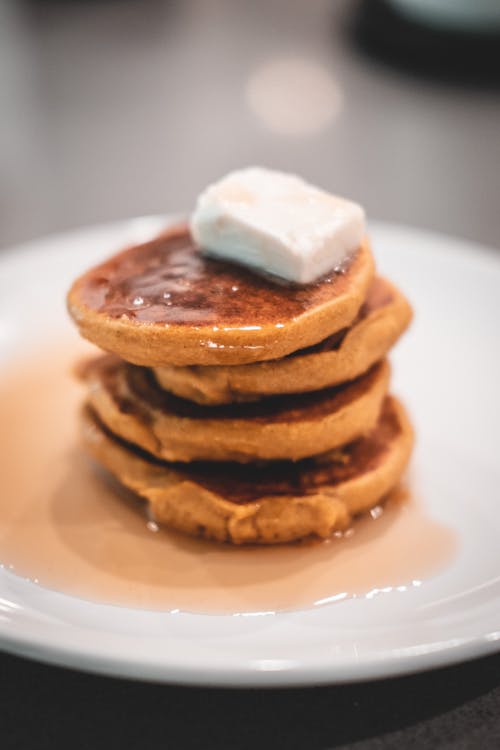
(66, 526)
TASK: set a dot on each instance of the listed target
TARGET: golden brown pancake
(163, 303)
(264, 504)
(342, 357)
(130, 403)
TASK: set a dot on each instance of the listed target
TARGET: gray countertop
(116, 109)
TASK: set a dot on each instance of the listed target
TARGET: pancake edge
(174, 437)
(365, 343)
(154, 344)
(182, 504)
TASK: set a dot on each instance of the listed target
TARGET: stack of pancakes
(242, 408)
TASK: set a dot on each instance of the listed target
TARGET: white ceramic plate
(448, 371)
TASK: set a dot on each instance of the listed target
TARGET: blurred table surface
(117, 108)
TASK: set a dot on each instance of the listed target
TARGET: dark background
(46, 708)
(117, 108)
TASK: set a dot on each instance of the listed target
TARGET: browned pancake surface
(244, 483)
(169, 281)
(340, 358)
(163, 302)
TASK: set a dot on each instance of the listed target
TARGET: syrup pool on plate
(65, 525)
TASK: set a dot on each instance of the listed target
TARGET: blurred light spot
(295, 97)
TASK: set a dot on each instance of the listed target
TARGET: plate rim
(386, 665)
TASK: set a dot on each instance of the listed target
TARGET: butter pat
(276, 223)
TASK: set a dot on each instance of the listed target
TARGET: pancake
(163, 303)
(263, 504)
(130, 403)
(342, 357)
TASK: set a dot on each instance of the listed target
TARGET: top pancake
(163, 302)
(341, 357)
